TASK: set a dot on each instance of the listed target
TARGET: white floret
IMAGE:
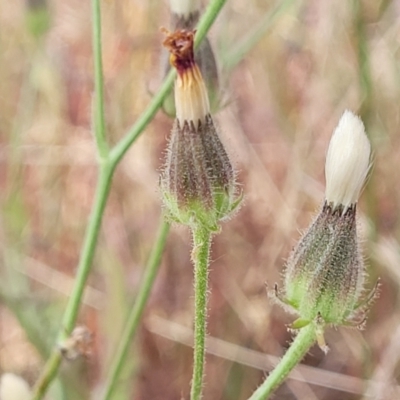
(347, 161)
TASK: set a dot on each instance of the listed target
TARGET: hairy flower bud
(324, 276)
(198, 181)
(325, 273)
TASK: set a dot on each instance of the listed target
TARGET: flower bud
(198, 181)
(347, 161)
(324, 275)
(185, 15)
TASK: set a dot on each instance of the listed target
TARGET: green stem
(99, 119)
(108, 163)
(137, 311)
(89, 246)
(301, 344)
(83, 270)
(207, 20)
(200, 258)
(144, 119)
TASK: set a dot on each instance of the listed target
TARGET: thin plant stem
(99, 117)
(207, 20)
(144, 119)
(108, 162)
(301, 344)
(83, 270)
(137, 310)
(200, 259)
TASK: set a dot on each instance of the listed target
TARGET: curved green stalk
(301, 344)
(108, 162)
(137, 310)
(200, 259)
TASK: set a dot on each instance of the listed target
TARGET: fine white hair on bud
(184, 7)
(13, 387)
(347, 161)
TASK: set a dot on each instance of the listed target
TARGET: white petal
(347, 161)
(191, 97)
(13, 387)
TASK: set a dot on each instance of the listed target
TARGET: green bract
(324, 276)
(325, 273)
(198, 182)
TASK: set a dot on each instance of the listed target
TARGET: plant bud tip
(180, 45)
(347, 161)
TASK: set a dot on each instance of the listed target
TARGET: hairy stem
(301, 344)
(200, 258)
(136, 312)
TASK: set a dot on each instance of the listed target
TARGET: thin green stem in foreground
(88, 249)
(108, 163)
(200, 258)
(137, 311)
(301, 344)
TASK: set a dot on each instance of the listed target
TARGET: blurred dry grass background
(284, 97)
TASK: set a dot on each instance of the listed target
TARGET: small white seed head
(184, 7)
(347, 161)
(13, 387)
